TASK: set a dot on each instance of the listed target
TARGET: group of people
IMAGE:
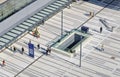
(48, 50)
(14, 49)
(91, 14)
(102, 29)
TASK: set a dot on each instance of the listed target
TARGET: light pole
(80, 52)
(61, 23)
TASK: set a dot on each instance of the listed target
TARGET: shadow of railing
(112, 4)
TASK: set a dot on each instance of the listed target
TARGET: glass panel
(41, 14)
(23, 26)
(15, 31)
(28, 24)
(57, 4)
(8, 37)
(4, 40)
(11, 34)
(34, 19)
(19, 4)
(20, 29)
(51, 8)
(36, 16)
(60, 2)
(48, 10)
(2, 44)
(65, 0)
(30, 21)
(54, 6)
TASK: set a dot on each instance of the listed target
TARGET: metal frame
(29, 26)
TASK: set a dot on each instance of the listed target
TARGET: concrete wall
(67, 42)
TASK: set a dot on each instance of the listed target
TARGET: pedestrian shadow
(2, 65)
(42, 50)
(18, 50)
(95, 30)
(34, 36)
(87, 14)
(13, 50)
(97, 48)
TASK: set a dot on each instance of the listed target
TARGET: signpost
(62, 23)
(31, 49)
(80, 52)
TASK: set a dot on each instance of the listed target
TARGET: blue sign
(31, 49)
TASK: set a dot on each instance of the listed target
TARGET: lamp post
(80, 52)
(61, 23)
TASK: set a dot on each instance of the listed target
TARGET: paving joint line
(19, 37)
(54, 55)
(95, 14)
(28, 65)
(86, 22)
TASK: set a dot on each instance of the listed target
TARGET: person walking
(14, 48)
(42, 22)
(102, 47)
(49, 49)
(100, 29)
(112, 29)
(38, 46)
(91, 14)
(3, 62)
(22, 50)
(47, 52)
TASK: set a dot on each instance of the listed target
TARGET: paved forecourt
(95, 63)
